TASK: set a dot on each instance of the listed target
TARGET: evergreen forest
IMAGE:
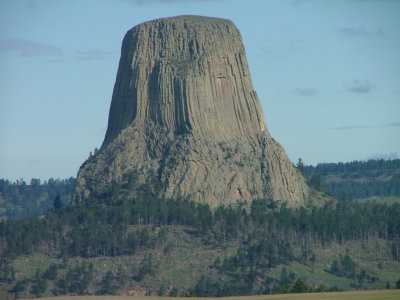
(121, 243)
(373, 179)
(357, 179)
(19, 200)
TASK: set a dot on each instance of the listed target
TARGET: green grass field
(359, 295)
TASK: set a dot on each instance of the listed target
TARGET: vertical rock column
(184, 112)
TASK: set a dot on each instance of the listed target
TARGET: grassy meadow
(357, 295)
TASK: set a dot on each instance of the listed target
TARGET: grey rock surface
(184, 114)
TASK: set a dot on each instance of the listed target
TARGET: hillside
(19, 200)
(362, 180)
(178, 271)
(146, 245)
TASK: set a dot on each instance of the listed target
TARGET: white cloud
(360, 86)
(361, 31)
(393, 124)
(305, 91)
(27, 48)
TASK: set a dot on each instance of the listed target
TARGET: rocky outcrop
(185, 115)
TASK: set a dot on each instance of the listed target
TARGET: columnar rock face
(184, 115)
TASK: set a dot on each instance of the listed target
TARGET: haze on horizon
(326, 73)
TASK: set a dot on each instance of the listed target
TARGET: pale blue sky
(327, 74)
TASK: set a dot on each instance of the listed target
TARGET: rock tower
(184, 116)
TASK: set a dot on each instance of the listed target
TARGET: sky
(327, 74)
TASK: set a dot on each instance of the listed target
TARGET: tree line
(20, 199)
(123, 226)
(373, 166)
(357, 179)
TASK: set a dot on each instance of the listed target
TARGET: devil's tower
(185, 117)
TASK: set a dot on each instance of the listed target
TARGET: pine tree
(301, 167)
(300, 287)
(57, 204)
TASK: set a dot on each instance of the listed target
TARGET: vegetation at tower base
(145, 244)
(351, 245)
(373, 180)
